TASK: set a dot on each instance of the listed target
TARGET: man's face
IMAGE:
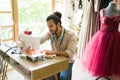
(52, 26)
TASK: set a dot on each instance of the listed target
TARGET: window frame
(14, 26)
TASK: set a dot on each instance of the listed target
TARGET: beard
(54, 32)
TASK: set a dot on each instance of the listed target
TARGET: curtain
(84, 36)
(118, 3)
(90, 25)
(86, 31)
(91, 22)
(0, 36)
(67, 10)
(97, 18)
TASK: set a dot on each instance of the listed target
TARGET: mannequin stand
(107, 78)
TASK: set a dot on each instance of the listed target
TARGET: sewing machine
(30, 47)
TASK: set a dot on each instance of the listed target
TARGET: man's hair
(55, 18)
(58, 14)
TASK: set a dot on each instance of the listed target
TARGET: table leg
(56, 77)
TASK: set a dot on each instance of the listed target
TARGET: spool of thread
(28, 32)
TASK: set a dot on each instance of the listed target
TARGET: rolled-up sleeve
(72, 46)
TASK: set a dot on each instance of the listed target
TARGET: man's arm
(44, 37)
(61, 54)
(55, 52)
(70, 51)
(71, 47)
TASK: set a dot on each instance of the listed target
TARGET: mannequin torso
(111, 10)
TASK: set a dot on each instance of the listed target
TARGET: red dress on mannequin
(102, 54)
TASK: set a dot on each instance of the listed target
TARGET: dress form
(111, 10)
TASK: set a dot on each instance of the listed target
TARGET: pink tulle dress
(102, 54)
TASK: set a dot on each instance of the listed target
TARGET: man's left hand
(48, 52)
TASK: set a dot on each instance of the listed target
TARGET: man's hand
(48, 52)
(55, 52)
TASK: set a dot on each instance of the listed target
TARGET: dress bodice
(109, 24)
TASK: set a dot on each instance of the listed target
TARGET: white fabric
(68, 10)
(119, 28)
(79, 74)
(86, 33)
(0, 36)
(86, 28)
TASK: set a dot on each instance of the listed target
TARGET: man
(64, 42)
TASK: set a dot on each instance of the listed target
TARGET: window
(8, 20)
(33, 14)
(32, 17)
(59, 5)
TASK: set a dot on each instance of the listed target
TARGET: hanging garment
(84, 36)
(86, 30)
(97, 10)
(102, 54)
